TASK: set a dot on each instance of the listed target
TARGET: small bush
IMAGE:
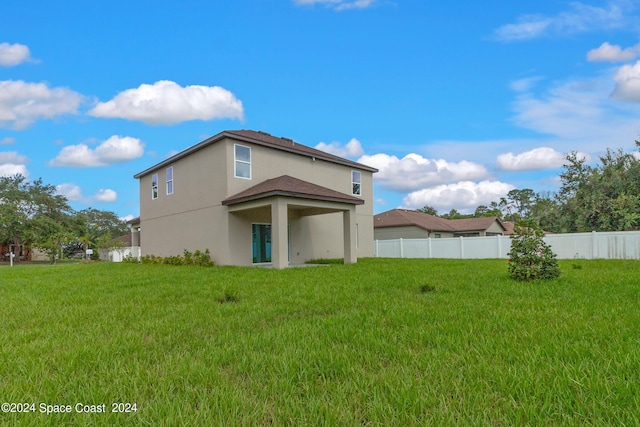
(198, 258)
(530, 258)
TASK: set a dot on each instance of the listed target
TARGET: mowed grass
(381, 342)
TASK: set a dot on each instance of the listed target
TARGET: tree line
(34, 215)
(604, 197)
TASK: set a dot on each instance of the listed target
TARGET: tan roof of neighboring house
(407, 217)
(508, 227)
(264, 139)
(473, 224)
(288, 186)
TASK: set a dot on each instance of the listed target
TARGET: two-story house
(253, 198)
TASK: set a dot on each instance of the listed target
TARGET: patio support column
(349, 230)
(279, 243)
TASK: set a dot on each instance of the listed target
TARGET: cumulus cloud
(12, 163)
(465, 194)
(23, 103)
(580, 18)
(166, 102)
(7, 141)
(116, 149)
(352, 148)
(338, 4)
(13, 54)
(414, 171)
(613, 53)
(627, 83)
(106, 195)
(536, 159)
(73, 193)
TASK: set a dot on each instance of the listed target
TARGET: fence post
(461, 247)
(499, 245)
(376, 249)
(430, 256)
(594, 251)
(401, 249)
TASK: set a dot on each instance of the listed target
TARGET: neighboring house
(127, 245)
(409, 224)
(253, 198)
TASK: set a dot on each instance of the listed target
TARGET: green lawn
(381, 342)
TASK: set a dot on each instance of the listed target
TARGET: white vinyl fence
(610, 245)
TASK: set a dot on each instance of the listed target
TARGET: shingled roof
(264, 139)
(293, 187)
(406, 217)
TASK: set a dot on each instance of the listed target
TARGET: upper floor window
(355, 183)
(242, 160)
(154, 186)
(170, 180)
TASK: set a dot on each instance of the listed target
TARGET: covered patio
(284, 201)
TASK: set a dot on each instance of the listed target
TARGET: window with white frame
(170, 180)
(242, 160)
(154, 186)
(355, 183)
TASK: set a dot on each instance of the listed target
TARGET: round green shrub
(530, 257)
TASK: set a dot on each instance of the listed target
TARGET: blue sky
(456, 103)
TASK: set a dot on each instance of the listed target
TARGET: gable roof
(407, 217)
(264, 139)
(286, 185)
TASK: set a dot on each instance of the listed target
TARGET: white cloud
(12, 163)
(23, 103)
(106, 195)
(12, 157)
(7, 141)
(116, 149)
(580, 18)
(525, 84)
(528, 27)
(613, 53)
(10, 169)
(414, 171)
(353, 148)
(465, 194)
(166, 102)
(338, 4)
(627, 83)
(13, 54)
(127, 218)
(536, 159)
(569, 110)
(73, 193)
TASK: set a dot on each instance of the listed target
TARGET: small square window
(355, 183)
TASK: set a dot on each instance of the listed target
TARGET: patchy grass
(381, 342)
